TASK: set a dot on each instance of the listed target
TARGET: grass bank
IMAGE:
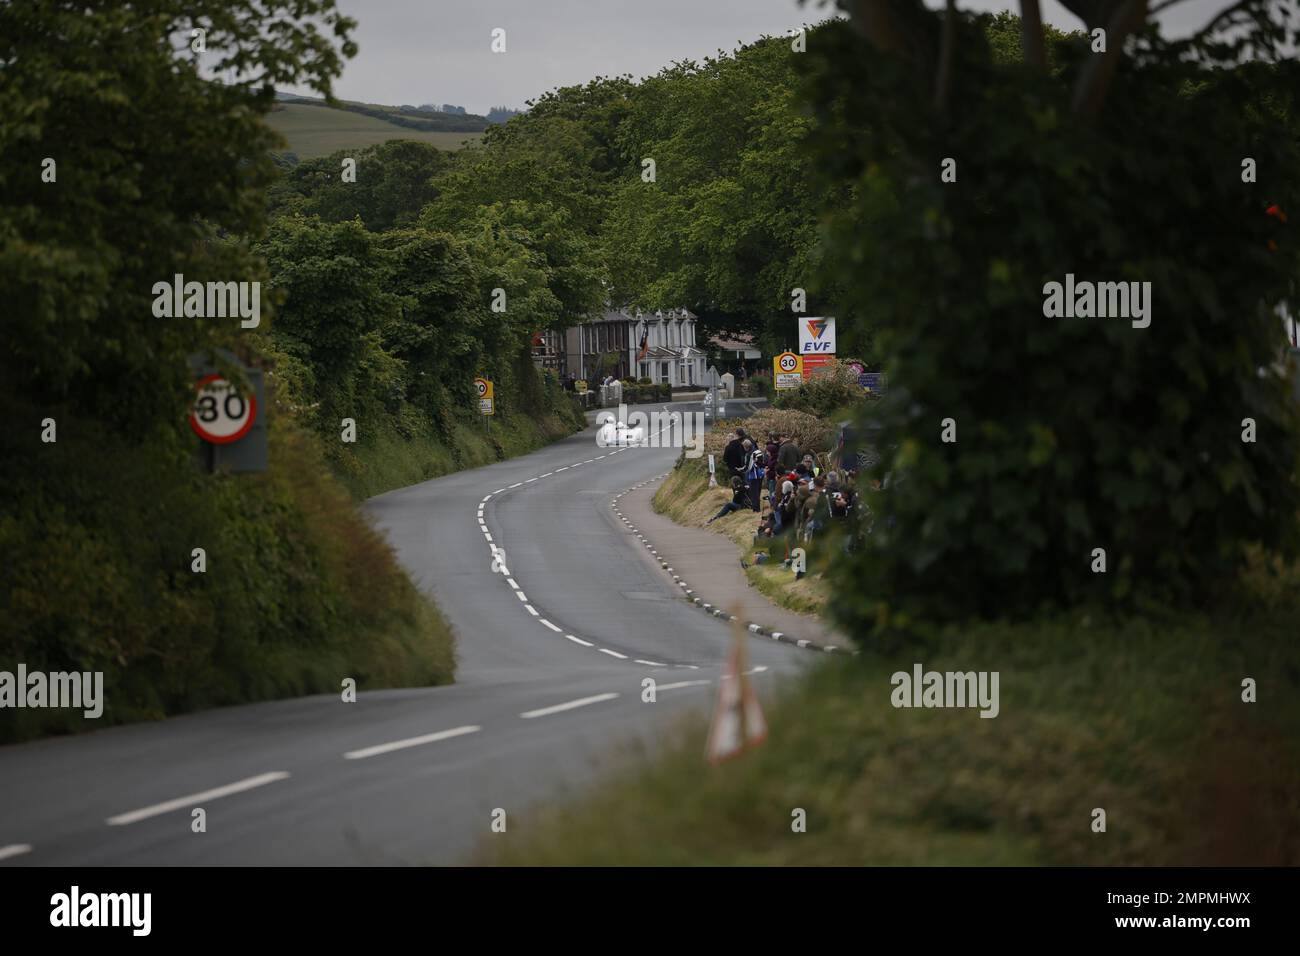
(397, 453)
(98, 573)
(1142, 718)
(685, 496)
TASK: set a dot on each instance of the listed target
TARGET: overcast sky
(438, 51)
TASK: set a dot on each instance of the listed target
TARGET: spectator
(788, 455)
(785, 508)
(754, 471)
(733, 456)
(739, 499)
(816, 509)
(773, 447)
(806, 468)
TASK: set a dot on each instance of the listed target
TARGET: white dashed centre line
(578, 640)
(14, 849)
(410, 742)
(557, 630)
(180, 803)
(682, 683)
(571, 705)
(621, 657)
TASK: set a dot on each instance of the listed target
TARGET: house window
(663, 371)
(645, 370)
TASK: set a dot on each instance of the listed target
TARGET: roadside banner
(738, 723)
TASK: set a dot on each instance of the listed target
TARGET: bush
(833, 387)
(1072, 434)
(300, 591)
(644, 381)
(811, 434)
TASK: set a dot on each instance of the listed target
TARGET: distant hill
(313, 129)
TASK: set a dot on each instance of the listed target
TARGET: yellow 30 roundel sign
(486, 401)
(787, 370)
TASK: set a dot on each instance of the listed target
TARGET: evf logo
(817, 336)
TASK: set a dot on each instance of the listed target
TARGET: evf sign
(816, 335)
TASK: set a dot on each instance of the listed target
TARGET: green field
(313, 131)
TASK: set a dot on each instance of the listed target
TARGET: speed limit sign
(221, 414)
(787, 370)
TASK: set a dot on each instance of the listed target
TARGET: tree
(1070, 434)
(154, 165)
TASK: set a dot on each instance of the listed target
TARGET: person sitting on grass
(739, 499)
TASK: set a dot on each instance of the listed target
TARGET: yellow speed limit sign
(486, 402)
(787, 370)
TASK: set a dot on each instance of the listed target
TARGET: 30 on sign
(221, 413)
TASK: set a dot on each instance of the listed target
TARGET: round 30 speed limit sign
(788, 363)
(221, 414)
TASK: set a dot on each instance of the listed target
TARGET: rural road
(551, 655)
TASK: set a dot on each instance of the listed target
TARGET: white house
(670, 354)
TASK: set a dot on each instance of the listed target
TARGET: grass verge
(685, 497)
(98, 572)
(1143, 719)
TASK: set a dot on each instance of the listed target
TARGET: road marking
(487, 536)
(681, 683)
(485, 499)
(511, 582)
(651, 663)
(497, 492)
(378, 749)
(528, 481)
(180, 803)
(571, 705)
(621, 657)
(565, 468)
(547, 475)
(578, 640)
(532, 610)
(516, 484)
(14, 849)
(521, 596)
(557, 630)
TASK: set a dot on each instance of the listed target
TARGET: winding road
(552, 648)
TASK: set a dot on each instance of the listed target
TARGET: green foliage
(1073, 434)
(392, 185)
(154, 162)
(834, 387)
(96, 546)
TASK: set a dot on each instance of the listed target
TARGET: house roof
(623, 315)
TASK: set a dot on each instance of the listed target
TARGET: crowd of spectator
(804, 495)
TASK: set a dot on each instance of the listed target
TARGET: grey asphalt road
(553, 648)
